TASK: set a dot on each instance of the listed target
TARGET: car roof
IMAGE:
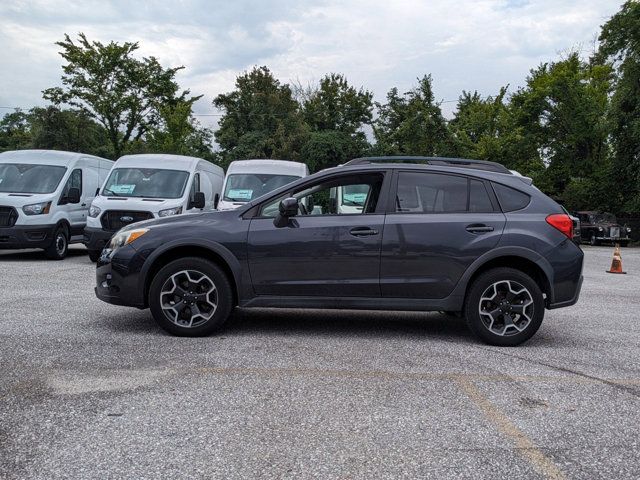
(445, 161)
(158, 160)
(44, 157)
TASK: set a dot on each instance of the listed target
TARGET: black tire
(624, 244)
(223, 297)
(59, 246)
(476, 321)
(593, 242)
(94, 255)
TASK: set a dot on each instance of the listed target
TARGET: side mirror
(287, 208)
(198, 200)
(216, 200)
(73, 196)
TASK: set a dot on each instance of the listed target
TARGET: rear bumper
(572, 301)
(96, 238)
(613, 239)
(566, 261)
(26, 236)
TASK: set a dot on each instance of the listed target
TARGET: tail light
(561, 222)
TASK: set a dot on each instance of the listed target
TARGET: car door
(439, 225)
(321, 252)
(76, 212)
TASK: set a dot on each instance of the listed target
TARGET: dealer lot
(91, 390)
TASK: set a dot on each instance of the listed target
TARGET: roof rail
(451, 162)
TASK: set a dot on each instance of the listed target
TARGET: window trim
(254, 212)
(391, 205)
(63, 198)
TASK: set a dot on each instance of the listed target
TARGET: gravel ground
(89, 390)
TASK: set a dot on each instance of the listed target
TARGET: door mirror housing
(198, 200)
(287, 208)
(73, 196)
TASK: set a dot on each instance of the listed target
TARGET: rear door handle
(479, 228)
(363, 232)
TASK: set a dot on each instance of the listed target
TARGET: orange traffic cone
(616, 263)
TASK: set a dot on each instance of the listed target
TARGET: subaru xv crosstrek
(386, 233)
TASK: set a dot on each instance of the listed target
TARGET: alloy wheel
(189, 298)
(506, 308)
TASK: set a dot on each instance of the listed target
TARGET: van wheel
(190, 297)
(94, 255)
(504, 307)
(593, 241)
(59, 246)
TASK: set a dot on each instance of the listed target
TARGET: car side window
(351, 195)
(420, 192)
(510, 199)
(74, 181)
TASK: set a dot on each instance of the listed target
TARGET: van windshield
(145, 182)
(244, 187)
(30, 178)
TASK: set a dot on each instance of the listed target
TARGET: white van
(141, 187)
(250, 179)
(45, 197)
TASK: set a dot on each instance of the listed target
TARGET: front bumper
(117, 277)
(96, 238)
(613, 239)
(26, 236)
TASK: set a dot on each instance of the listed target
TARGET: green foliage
(412, 124)
(330, 148)
(620, 46)
(14, 131)
(118, 90)
(337, 106)
(261, 119)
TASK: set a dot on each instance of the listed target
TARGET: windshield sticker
(240, 194)
(122, 189)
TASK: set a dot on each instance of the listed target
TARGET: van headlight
(170, 211)
(121, 239)
(37, 208)
(94, 211)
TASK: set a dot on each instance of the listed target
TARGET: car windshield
(244, 187)
(355, 195)
(146, 182)
(30, 178)
(604, 218)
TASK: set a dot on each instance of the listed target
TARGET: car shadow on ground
(338, 323)
(36, 255)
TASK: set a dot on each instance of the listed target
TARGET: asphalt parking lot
(89, 390)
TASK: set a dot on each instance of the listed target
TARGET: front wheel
(504, 307)
(190, 297)
(594, 242)
(59, 246)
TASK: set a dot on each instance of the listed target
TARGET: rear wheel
(504, 307)
(94, 255)
(59, 246)
(624, 244)
(191, 297)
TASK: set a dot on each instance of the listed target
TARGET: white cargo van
(250, 179)
(141, 187)
(45, 197)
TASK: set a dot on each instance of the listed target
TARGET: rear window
(511, 199)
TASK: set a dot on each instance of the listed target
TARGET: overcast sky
(466, 44)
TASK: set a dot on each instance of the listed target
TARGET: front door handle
(479, 228)
(363, 232)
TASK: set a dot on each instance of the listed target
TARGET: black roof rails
(451, 162)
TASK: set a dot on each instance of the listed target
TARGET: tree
(119, 91)
(261, 119)
(330, 148)
(15, 133)
(178, 132)
(335, 105)
(72, 130)
(412, 124)
(620, 47)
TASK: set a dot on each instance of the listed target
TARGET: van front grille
(8, 216)
(116, 219)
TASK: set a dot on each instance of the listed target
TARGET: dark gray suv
(390, 233)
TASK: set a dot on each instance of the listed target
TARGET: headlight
(94, 211)
(600, 228)
(125, 238)
(37, 208)
(628, 230)
(170, 211)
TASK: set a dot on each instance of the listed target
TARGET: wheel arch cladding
(525, 265)
(190, 250)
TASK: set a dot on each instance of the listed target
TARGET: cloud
(466, 44)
